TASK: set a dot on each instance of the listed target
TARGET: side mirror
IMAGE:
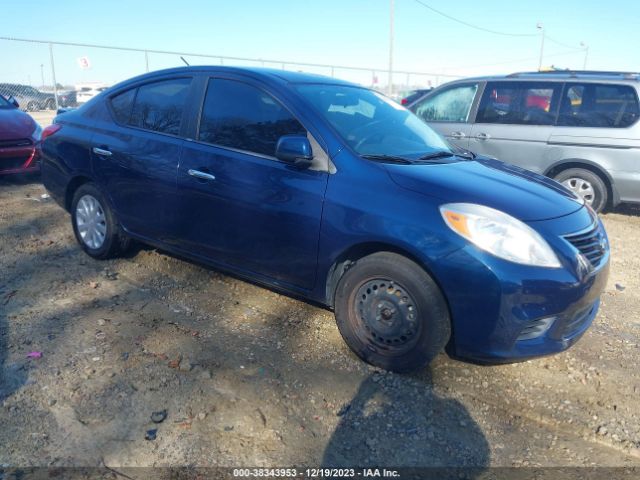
(13, 101)
(294, 149)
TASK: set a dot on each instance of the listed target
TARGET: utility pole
(391, 13)
(53, 76)
(540, 27)
(586, 54)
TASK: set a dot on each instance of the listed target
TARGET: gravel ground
(252, 378)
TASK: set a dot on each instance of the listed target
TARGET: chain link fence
(46, 75)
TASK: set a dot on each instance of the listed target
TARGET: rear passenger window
(594, 105)
(121, 105)
(519, 103)
(238, 115)
(159, 106)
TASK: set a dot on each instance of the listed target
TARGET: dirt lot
(252, 378)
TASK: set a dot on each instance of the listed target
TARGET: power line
(508, 62)
(562, 44)
(470, 25)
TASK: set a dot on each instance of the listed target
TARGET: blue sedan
(331, 192)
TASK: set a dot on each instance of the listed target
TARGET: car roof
(268, 74)
(563, 76)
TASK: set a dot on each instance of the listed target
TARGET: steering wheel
(364, 140)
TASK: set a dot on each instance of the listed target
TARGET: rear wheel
(32, 106)
(587, 185)
(94, 224)
(391, 313)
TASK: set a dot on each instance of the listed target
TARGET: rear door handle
(201, 175)
(483, 136)
(457, 135)
(102, 152)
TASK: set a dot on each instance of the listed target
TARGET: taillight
(50, 130)
(403, 101)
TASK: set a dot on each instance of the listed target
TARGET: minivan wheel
(587, 185)
(94, 224)
(391, 313)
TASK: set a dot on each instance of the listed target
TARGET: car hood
(15, 124)
(522, 194)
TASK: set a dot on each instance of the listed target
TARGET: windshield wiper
(436, 155)
(388, 158)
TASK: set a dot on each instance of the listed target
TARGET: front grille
(18, 143)
(591, 243)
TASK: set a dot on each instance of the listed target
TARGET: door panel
(514, 122)
(136, 157)
(259, 214)
(520, 145)
(238, 204)
(140, 178)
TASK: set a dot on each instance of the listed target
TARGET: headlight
(499, 234)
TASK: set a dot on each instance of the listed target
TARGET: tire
(51, 104)
(94, 224)
(587, 185)
(31, 107)
(391, 313)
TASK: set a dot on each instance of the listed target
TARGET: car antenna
(185, 62)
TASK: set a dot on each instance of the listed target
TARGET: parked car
(19, 136)
(580, 128)
(334, 193)
(67, 99)
(414, 95)
(84, 94)
(28, 97)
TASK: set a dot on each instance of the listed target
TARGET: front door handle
(457, 135)
(102, 152)
(201, 175)
(483, 136)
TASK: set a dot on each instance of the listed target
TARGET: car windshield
(372, 124)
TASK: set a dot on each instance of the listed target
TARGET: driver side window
(450, 105)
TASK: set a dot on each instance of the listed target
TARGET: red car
(19, 137)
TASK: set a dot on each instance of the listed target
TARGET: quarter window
(594, 105)
(451, 105)
(159, 106)
(520, 103)
(238, 115)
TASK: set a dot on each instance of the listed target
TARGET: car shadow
(627, 209)
(403, 421)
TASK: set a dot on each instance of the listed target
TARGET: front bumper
(504, 312)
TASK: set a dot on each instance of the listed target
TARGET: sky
(337, 32)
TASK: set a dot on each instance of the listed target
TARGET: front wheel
(94, 224)
(587, 185)
(391, 313)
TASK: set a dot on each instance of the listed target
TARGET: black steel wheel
(391, 313)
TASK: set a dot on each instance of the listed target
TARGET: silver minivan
(579, 127)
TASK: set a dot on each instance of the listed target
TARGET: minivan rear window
(519, 103)
(598, 105)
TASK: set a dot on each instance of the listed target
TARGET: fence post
(53, 75)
